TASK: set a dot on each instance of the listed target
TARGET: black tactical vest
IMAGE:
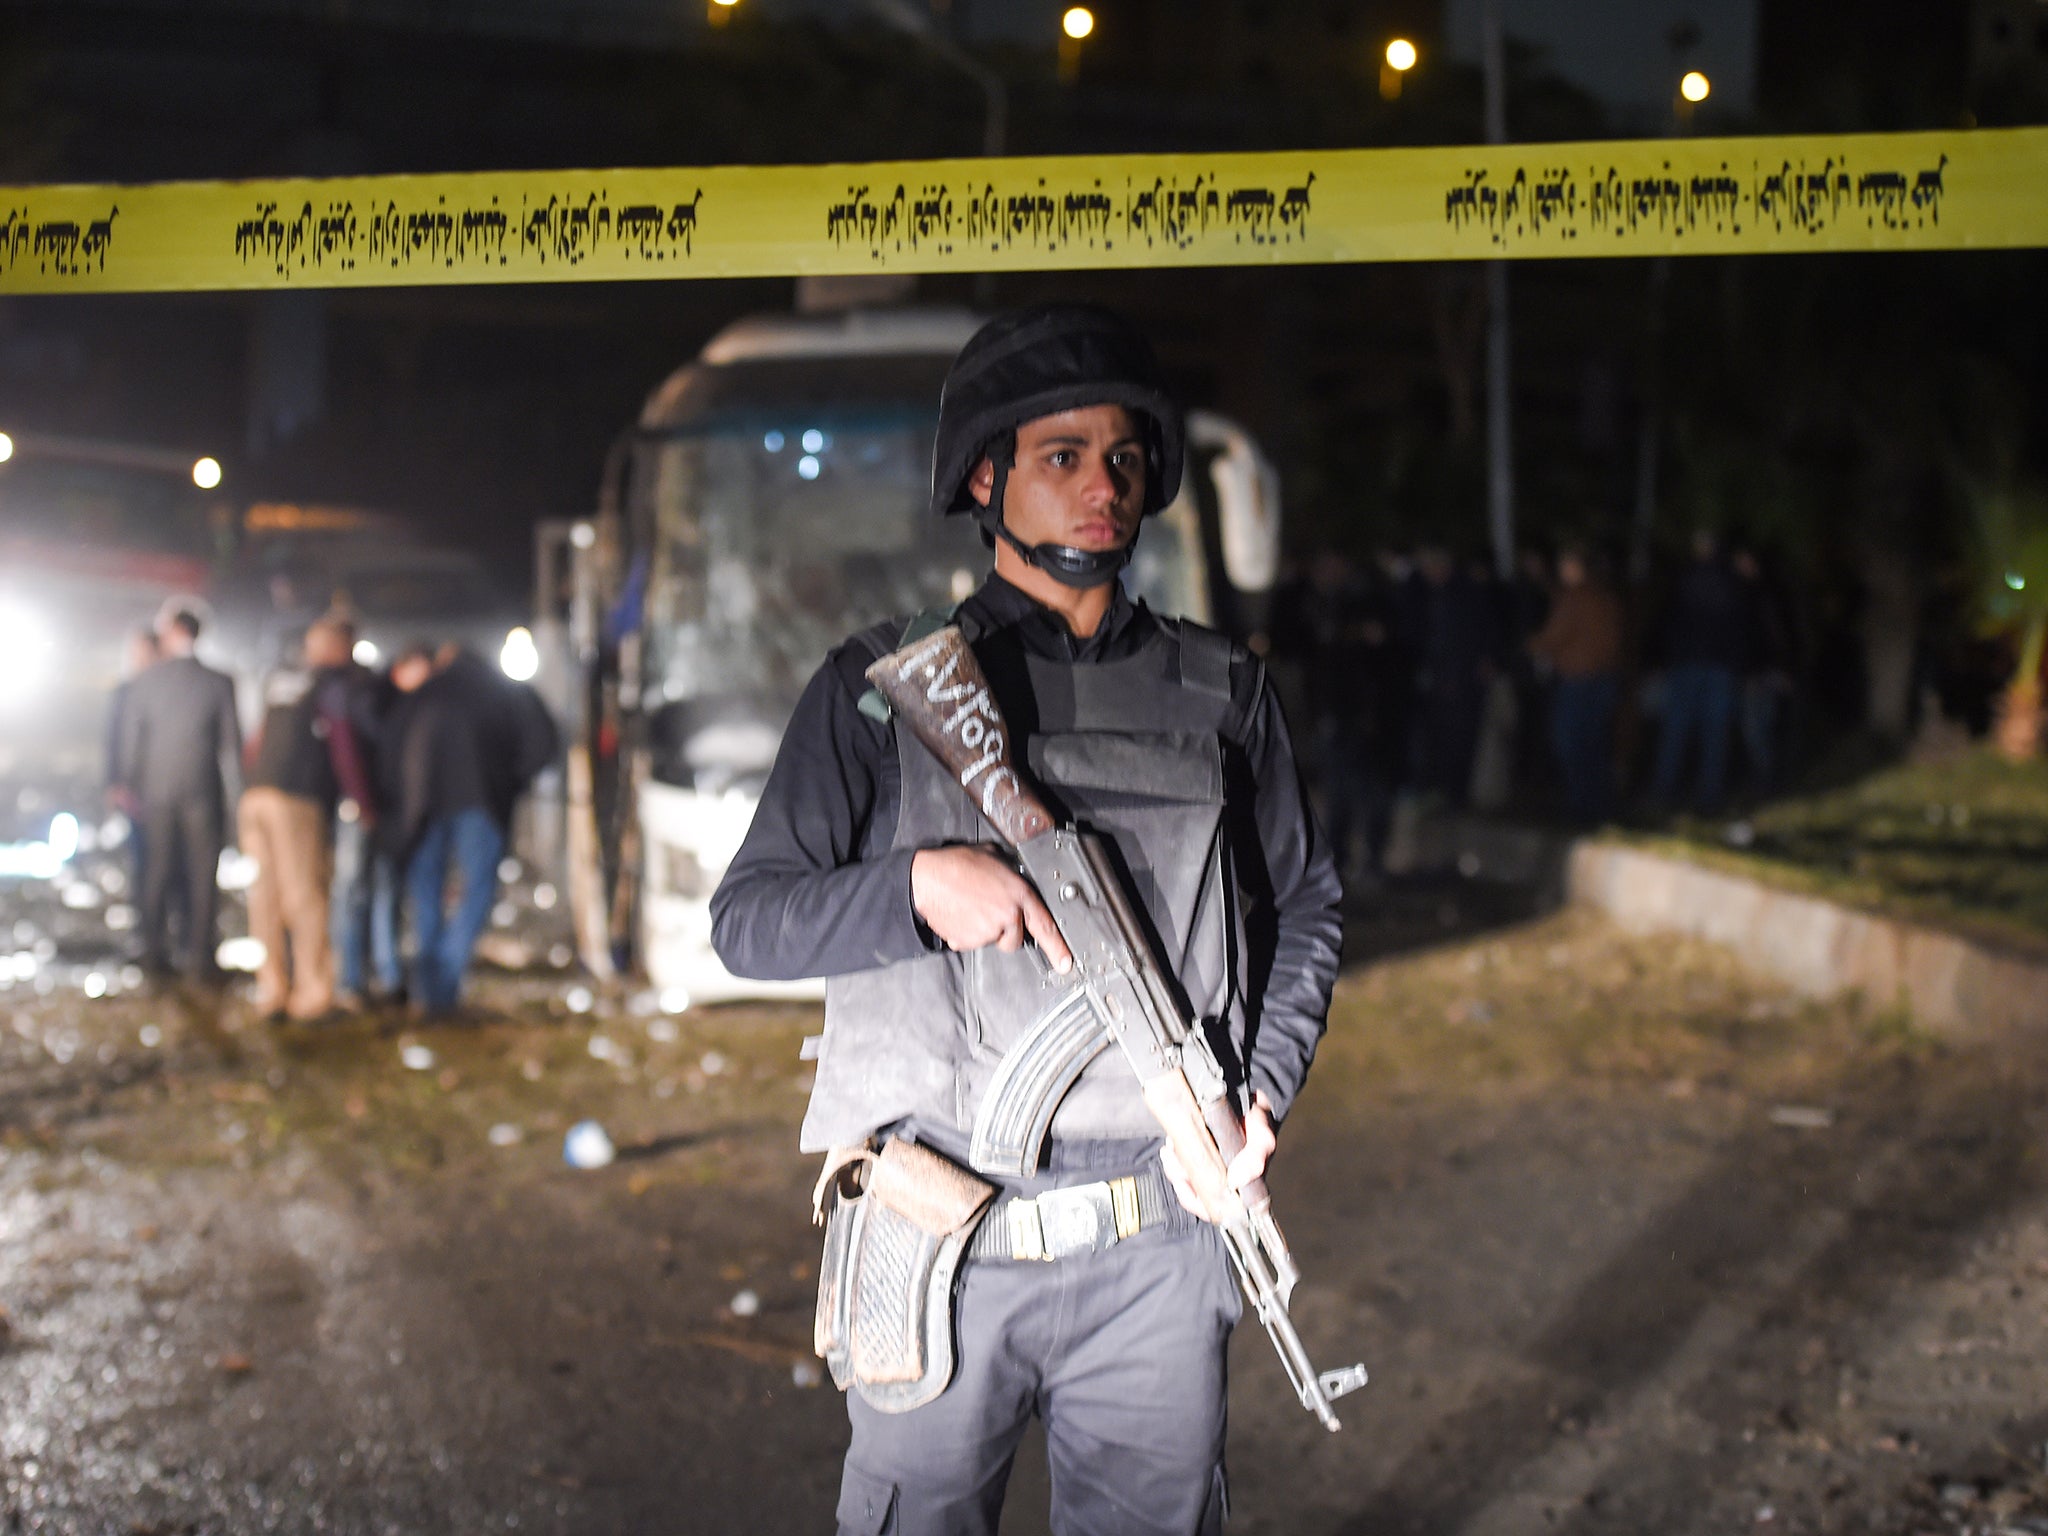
(1131, 749)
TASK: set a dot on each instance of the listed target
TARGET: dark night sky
(1614, 48)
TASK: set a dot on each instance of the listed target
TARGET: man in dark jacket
(867, 865)
(180, 758)
(467, 745)
(306, 760)
(1707, 632)
(142, 653)
(390, 710)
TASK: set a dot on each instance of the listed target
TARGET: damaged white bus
(769, 502)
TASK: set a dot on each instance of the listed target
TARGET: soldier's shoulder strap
(1208, 658)
(929, 622)
(1205, 656)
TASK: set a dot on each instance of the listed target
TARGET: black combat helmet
(1036, 362)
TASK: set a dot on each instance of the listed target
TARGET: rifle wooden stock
(936, 686)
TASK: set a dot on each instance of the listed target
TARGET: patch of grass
(1962, 845)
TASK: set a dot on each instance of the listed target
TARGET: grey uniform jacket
(181, 743)
(1191, 776)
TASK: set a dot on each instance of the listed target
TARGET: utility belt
(1080, 1218)
(900, 1222)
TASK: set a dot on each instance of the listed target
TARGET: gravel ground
(1630, 1240)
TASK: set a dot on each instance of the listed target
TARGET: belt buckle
(1080, 1219)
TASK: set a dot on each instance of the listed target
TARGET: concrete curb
(1946, 981)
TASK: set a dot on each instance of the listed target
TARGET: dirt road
(1631, 1242)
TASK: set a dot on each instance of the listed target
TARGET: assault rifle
(1121, 994)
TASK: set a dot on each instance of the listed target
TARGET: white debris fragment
(243, 954)
(587, 1146)
(712, 1064)
(418, 1058)
(578, 999)
(745, 1304)
(505, 1134)
(1802, 1117)
(236, 872)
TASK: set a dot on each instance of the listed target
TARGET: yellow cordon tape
(1928, 191)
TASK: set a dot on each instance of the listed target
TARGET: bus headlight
(520, 657)
(28, 652)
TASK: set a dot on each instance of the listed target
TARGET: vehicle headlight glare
(520, 657)
(63, 836)
(30, 649)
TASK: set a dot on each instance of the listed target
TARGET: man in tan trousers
(304, 760)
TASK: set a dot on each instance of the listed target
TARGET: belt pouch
(892, 1254)
(840, 1207)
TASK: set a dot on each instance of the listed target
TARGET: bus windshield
(781, 532)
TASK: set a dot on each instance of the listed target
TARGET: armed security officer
(862, 865)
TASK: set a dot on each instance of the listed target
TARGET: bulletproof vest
(292, 755)
(1132, 750)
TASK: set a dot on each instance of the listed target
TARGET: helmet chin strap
(1070, 567)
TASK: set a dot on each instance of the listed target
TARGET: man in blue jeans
(369, 865)
(1706, 647)
(468, 744)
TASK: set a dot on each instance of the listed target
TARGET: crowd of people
(358, 796)
(1424, 675)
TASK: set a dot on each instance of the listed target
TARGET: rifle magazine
(1034, 1075)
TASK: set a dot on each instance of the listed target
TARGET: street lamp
(1077, 24)
(6, 447)
(206, 473)
(1693, 88)
(1400, 57)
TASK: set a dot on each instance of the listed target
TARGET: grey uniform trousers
(1120, 1352)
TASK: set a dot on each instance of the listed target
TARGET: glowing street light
(6, 447)
(1078, 23)
(1694, 87)
(206, 473)
(1400, 57)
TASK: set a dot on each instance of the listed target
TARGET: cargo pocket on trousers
(865, 1504)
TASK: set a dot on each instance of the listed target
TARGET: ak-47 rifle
(1121, 994)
